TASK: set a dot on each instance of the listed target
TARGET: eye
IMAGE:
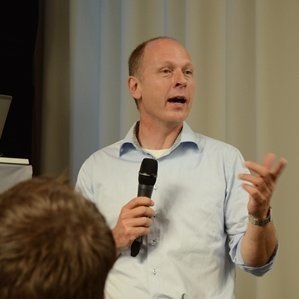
(166, 71)
(188, 72)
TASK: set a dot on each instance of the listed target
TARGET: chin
(176, 122)
(179, 117)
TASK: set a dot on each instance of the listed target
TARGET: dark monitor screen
(5, 101)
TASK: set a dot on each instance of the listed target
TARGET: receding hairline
(137, 54)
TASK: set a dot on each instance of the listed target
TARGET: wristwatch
(261, 222)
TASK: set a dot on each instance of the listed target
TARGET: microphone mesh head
(148, 172)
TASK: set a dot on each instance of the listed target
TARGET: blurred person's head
(53, 243)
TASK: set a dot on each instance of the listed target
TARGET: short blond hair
(136, 56)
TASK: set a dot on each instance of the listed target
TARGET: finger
(257, 168)
(255, 180)
(262, 169)
(279, 168)
(139, 201)
(137, 227)
(263, 178)
(138, 222)
(255, 194)
(139, 231)
(142, 222)
(268, 160)
(142, 211)
(262, 173)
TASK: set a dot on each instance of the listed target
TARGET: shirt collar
(187, 136)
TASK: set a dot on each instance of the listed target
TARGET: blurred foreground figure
(53, 243)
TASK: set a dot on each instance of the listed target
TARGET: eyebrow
(167, 62)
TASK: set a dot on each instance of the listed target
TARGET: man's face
(165, 85)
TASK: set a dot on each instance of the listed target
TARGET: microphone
(147, 179)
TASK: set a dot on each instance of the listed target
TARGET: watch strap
(261, 222)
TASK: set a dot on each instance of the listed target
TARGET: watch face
(260, 222)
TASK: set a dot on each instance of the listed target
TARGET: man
(195, 228)
(53, 243)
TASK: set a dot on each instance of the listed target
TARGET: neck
(157, 137)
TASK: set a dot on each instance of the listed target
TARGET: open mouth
(177, 100)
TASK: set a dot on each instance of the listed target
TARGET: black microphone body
(145, 190)
(147, 179)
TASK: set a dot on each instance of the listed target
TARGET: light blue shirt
(200, 217)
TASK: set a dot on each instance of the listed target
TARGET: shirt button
(154, 271)
(153, 242)
(155, 187)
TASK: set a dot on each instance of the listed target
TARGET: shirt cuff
(257, 271)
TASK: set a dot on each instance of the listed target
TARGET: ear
(134, 87)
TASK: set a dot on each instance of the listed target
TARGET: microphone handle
(143, 190)
(135, 247)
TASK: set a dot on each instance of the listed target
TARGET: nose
(180, 79)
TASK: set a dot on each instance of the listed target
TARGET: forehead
(166, 50)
